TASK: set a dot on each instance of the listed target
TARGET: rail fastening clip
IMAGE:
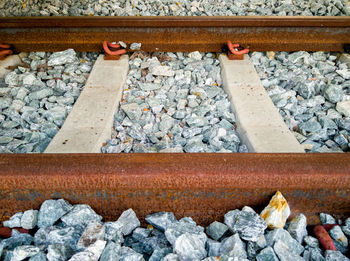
(5, 51)
(236, 51)
(113, 54)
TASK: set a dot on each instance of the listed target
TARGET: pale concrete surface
(344, 108)
(259, 123)
(345, 58)
(12, 60)
(90, 122)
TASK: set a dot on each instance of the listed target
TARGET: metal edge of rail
(203, 186)
(207, 34)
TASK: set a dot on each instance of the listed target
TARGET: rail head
(174, 21)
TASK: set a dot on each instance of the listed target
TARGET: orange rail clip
(5, 51)
(235, 51)
(112, 54)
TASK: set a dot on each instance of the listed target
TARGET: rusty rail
(203, 186)
(177, 33)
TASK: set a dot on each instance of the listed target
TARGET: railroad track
(203, 186)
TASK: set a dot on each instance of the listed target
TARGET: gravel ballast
(174, 103)
(37, 96)
(312, 93)
(61, 231)
(175, 8)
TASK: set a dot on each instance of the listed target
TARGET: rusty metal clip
(5, 51)
(235, 51)
(113, 54)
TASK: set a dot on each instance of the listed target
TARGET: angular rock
(65, 57)
(111, 252)
(92, 253)
(335, 256)
(282, 235)
(249, 225)
(11, 79)
(195, 55)
(313, 254)
(185, 225)
(57, 235)
(80, 215)
(135, 46)
(29, 219)
(149, 86)
(161, 220)
(216, 230)
(93, 232)
(189, 247)
(276, 213)
(161, 70)
(129, 221)
(213, 247)
(15, 220)
(327, 219)
(171, 257)
(233, 246)
(140, 234)
(16, 239)
(297, 228)
(346, 227)
(334, 93)
(23, 252)
(41, 256)
(133, 110)
(158, 254)
(343, 107)
(59, 252)
(127, 254)
(311, 241)
(340, 240)
(285, 252)
(254, 247)
(114, 231)
(51, 211)
(267, 254)
(231, 217)
(311, 125)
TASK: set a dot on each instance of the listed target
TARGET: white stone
(276, 212)
(195, 55)
(29, 219)
(17, 105)
(29, 79)
(92, 253)
(162, 70)
(343, 107)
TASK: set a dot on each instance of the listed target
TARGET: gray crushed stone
(79, 234)
(306, 88)
(174, 102)
(37, 96)
(174, 8)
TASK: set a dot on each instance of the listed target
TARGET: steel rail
(207, 34)
(204, 186)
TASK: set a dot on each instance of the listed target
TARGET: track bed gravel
(37, 96)
(175, 8)
(61, 231)
(174, 103)
(310, 90)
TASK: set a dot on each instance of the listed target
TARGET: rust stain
(207, 34)
(204, 186)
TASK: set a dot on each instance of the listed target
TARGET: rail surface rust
(207, 34)
(204, 186)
